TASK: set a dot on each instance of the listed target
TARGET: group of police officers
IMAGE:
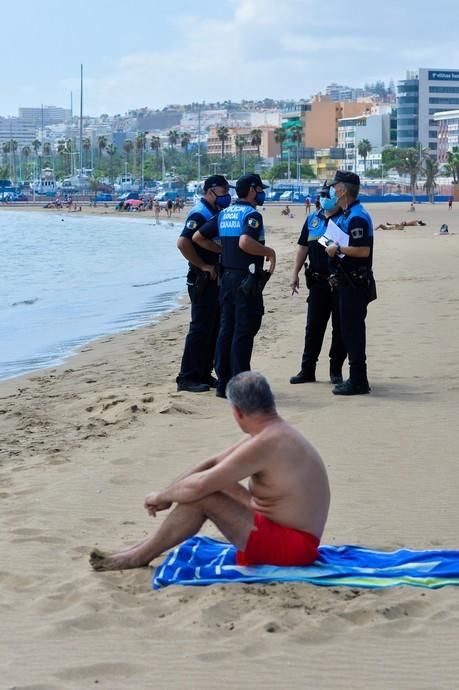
(224, 244)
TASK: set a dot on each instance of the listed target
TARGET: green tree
(101, 146)
(256, 137)
(364, 148)
(240, 142)
(173, 138)
(223, 136)
(185, 140)
(452, 164)
(155, 145)
(431, 171)
(46, 149)
(128, 148)
(111, 151)
(25, 152)
(86, 143)
(280, 136)
(61, 153)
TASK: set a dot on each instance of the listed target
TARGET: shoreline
(81, 444)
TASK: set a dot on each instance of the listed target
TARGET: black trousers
(240, 321)
(322, 303)
(353, 302)
(198, 356)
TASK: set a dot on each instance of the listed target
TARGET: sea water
(67, 278)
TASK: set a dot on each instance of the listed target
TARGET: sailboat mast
(81, 120)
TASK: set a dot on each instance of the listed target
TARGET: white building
(448, 133)
(374, 127)
(14, 128)
(420, 96)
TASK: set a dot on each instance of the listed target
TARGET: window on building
(444, 101)
(443, 89)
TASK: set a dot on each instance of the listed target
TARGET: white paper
(334, 234)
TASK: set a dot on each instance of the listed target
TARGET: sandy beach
(81, 445)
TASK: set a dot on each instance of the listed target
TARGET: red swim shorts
(273, 544)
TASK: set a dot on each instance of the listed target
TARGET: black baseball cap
(246, 181)
(345, 176)
(325, 189)
(216, 181)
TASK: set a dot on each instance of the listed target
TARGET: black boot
(306, 376)
(349, 388)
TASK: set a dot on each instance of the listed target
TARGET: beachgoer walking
(307, 203)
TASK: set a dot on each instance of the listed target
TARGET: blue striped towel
(204, 561)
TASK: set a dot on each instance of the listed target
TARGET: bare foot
(121, 560)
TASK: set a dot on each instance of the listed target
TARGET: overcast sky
(153, 53)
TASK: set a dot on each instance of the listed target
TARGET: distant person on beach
(412, 207)
(322, 299)
(307, 203)
(195, 374)
(169, 207)
(286, 211)
(157, 211)
(450, 202)
(353, 278)
(399, 226)
(243, 251)
(278, 520)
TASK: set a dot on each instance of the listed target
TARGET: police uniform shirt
(356, 222)
(195, 220)
(313, 228)
(241, 218)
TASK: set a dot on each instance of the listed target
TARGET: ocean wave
(25, 301)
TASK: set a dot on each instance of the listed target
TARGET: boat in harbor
(45, 184)
(126, 183)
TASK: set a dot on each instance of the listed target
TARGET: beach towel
(204, 561)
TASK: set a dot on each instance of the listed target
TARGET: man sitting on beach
(278, 520)
(399, 226)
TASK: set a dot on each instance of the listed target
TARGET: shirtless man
(278, 520)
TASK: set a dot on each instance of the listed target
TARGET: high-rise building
(45, 115)
(448, 133)
(422, 94)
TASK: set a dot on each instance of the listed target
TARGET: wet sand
(81, 445)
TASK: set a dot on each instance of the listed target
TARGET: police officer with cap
(354, 276)
(243, 251)
(322, 300)
(198, 357)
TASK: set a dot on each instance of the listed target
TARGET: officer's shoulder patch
(315, 222)
(357, 233)
(253, 223)
(191, 225)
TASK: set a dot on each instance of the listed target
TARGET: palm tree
(5, 152)
(26, 151)
(364, 148)
(36, 146)
(111, 151)
(46, 148)
(101, 146)
(61, 152)
(13, 149)
(410, 163)
(223, 136)
(128, 147)
(256, 139)
(173, 137)
(452, 164)
(69, 150)
(240, 142)
(185, 141)
(431, 172)
(280, 135)
(86, 148)
(155, 145)
(296, 136)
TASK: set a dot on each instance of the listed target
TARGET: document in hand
(334, 234)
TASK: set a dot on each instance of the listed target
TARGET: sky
(153, 53)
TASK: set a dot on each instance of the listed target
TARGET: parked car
(104, 196)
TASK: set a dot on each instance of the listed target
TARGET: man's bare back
(286, 502)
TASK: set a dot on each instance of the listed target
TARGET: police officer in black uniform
(198, 358)
(354, 277)
(242, 237)
(322, 299)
